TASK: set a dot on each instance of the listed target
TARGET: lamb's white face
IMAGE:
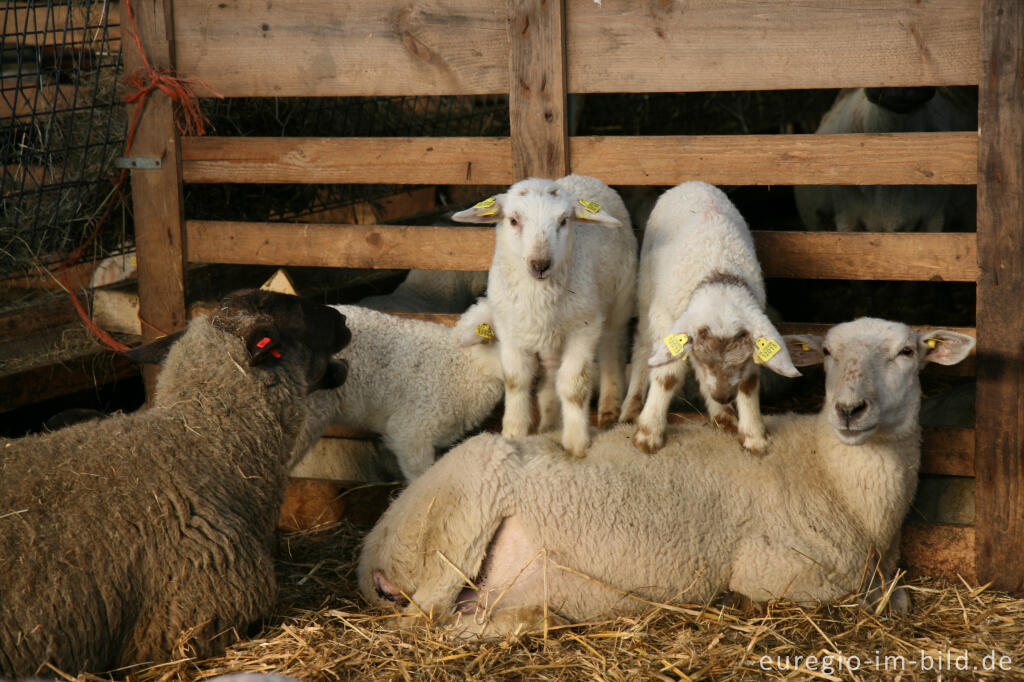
(537, 226)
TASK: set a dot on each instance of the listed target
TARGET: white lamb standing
(561, 285)
(891, 208)
(501, 534)
(420, 385)
(700, 287)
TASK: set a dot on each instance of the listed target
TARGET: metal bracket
(138, 163)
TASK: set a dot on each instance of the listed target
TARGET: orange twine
(189, 120)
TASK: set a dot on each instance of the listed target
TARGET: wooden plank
(68, 375)
(536, 101)
(623, 46)
(848, 159)
(939, 550)
(157, 199)
(1000, 408)
(398, 160)
(340, 246)
(949, 452)
(866, 255)
(18, 323)
(30, 100)
(63, 25)
(321, 48)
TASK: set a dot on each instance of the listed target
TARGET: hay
(322, 630)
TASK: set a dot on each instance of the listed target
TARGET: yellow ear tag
(933, 342)
(805, 346)
(483, 330)
(677, 344)
(486, 203)
(766, 350)
(591, 206)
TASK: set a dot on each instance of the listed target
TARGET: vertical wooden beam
(157, 199)
(537, 105)
(999, 461)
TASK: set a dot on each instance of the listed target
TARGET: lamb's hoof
(605, 419)
(755, 445)
(575, 446)
(726, 421)
(647, 441)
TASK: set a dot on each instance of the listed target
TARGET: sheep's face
(871, 370)
(536, 220)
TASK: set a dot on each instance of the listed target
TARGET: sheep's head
(535, 220)
(871, 370)
(726, 335)
(275, 328)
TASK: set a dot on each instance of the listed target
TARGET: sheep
(700, 283)
(421, 385)
(891, 208)
(503, 533)
(561, 285)
(431, 291)
(127, 537)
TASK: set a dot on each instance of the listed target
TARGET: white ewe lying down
(431, 291)
(421, 385)
(892, 208)
(538, 533)
(561, 285)
(701, 287)
(125, 535)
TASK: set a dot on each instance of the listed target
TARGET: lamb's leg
(610, 360)
(650, 426)
(547, 396)
(519, 367)
(573, 383)
(748, 406)
(638, 376)
(413, 449)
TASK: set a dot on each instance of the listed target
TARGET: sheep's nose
(851, 412)
(539, 266)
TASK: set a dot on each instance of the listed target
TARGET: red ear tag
(263, 342)
(276, 353)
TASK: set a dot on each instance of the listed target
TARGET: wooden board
(536, 101)
(849, 159)
(63, 25)
(27, 101)
(69, 375)
(935, 550)
(379, 160)
(1000, 407)
(335, 48)
(676, 46)
(21, 322)
(949, 452)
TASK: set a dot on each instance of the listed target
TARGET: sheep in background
(420, 385)
(892, 208)
(431, 291)
(561, 286)
(126, 537)
(700, 286)
(540, 534)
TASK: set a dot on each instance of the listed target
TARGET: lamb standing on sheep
(561, 286)
(539, 533)
(892, 208)
(421, 385)
(700, 285)
(126, 537)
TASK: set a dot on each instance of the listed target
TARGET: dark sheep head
(273, 325)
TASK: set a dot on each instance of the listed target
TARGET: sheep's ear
(592, 212)
(334, 375)
(475, 326)
(943, 346)
(674, 345)
(488, 211)
(804, 349)
(263, 343)
(771, 351)
(155, 352)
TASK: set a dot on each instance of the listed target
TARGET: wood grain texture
(850, 159)
(537, 104)
(949, 452)
(939, 550)
(398, 160)
(864, 255)
(340, 246)
(1000, 408)
(157, 200)
(694, 45)
(344, 48)
(63, 25)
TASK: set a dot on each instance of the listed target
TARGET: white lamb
(539, 533)
(561, 286)
(421, 385)
(700, 286)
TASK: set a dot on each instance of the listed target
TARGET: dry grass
(323, 630)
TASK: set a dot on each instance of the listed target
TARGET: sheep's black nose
(849, 413)
(539, 267)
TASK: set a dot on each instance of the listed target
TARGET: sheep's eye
(513, 222)
(824, 351)
(563, 222)
(908, 351)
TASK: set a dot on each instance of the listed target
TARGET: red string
(189, 120)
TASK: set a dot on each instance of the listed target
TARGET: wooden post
(537, 105)
(157, 199)
(999, 431)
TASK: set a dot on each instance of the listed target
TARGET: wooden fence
(537, 51)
